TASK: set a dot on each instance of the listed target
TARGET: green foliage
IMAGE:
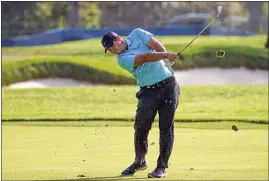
(265, 9)
(14, 17)
(22, 18)
(90, 15)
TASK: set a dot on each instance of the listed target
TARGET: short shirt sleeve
(127, 62)
(143, 35)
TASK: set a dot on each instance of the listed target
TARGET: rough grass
(78, 68)
(197, 103)
(93, 46)
(85, 60)
(60, 152)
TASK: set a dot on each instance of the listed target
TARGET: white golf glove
(167, 63)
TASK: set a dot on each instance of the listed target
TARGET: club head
(219, 10)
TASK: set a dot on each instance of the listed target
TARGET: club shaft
(197, 35)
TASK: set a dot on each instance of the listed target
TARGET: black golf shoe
(157, 173)
(134, 168)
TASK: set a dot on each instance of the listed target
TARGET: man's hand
(171, 58)
(158, 47)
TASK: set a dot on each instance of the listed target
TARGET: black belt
(160, 84)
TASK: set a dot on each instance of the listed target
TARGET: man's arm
(153, 57)
(148, 57)
(156, 45)
(159, 54)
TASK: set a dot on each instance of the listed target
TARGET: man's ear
(118, 38)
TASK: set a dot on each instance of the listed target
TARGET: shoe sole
(141, 169)
(151, 176)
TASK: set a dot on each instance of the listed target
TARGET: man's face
(117, 46)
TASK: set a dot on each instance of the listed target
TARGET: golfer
(142, 55)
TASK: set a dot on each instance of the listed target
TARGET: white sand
(201, 76)
(50, 82)
(218, 76)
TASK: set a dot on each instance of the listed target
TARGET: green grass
(79, 68)
(223, 125)
(93, 46)
(197, 103)
(100, 149)
(85, 60)
(61, 152)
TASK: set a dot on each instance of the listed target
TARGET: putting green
(101, 150)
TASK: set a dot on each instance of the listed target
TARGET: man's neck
(125, 46)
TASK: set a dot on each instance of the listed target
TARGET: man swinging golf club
(142, 55)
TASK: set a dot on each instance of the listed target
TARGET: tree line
(30, 17)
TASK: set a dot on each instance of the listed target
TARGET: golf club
(219, 12)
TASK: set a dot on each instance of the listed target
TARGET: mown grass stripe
(132, 120)
(227, 102)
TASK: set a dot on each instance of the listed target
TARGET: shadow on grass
(103, 178)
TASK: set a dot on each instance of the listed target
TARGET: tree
(73, 14)
(25, 18)
(13, 17)
(267, 44)
(254, 15)
(132, 14)
(89, 14)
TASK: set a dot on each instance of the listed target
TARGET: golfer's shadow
(118, 177)
(114, 178)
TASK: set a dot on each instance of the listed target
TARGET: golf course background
(74, 133)
(115, 99)
(86, 61)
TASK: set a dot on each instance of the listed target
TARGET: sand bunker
(201, 76)
(50, 82)
(218, 76)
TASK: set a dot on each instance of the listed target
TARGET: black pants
(163, 100)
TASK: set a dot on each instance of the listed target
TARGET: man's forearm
(149, 57)
(153, 56)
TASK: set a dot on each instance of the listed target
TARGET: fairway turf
(227, 102)
(101, 150)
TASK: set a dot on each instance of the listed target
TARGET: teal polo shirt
(148, 73)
